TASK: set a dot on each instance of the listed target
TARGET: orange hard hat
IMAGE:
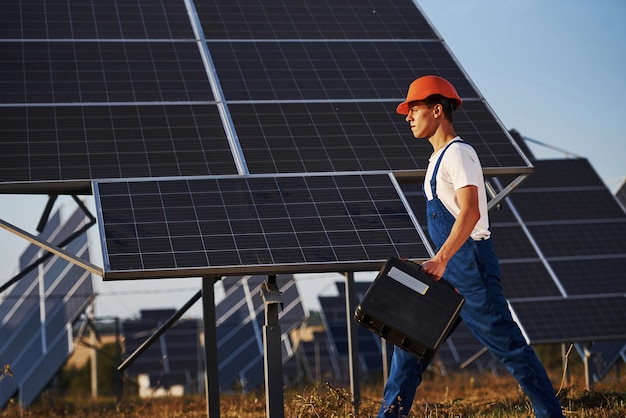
(426, 86)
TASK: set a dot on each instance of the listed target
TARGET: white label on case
(408, 280)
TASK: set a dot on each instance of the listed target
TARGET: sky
(551, 69)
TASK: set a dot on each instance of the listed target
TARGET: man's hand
(434, 268)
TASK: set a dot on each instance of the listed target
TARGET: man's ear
(437, 110)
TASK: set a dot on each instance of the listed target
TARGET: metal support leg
(353, 342)
(212, 386)
(273, 362)
(383, 349)
(564, 364)
(587, 356)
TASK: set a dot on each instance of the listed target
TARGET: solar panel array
(252, 224)
(207, 104)
(37, 313)
(578, 231)
(93, 90)
(175, 358)
(240, 321)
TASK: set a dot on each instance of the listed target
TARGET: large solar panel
(158, 88)
(573, 223)
(73, 144)
(299, 19)
(253, 225)
(37, 313)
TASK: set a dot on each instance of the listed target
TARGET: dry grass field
(456, 396)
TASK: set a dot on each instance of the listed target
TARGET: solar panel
(64, 147)
(101, 72)
(299, 19)
(586, 318)
(93, 19)
(38, 311)
(573, 223)
(329, 137)
(328, 70)
(156, 89)
(252, 225)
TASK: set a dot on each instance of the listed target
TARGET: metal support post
(94, 352)
(564, 360)
(119, 381)
(273, 362)
(353, 342)
(587, 356)
(383, 349)
(212, 381)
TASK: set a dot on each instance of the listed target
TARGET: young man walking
(458, 224)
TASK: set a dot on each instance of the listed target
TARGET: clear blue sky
(551, 69)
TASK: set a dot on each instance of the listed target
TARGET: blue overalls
(474, 270)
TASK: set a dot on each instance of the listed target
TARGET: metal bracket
(271, 295)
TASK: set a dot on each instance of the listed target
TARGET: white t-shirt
(459, 167)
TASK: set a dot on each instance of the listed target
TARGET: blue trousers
(486, 314)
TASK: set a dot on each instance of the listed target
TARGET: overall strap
(433, 179)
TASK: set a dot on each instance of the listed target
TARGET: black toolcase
(409, 308)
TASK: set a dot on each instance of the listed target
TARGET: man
(458, 225)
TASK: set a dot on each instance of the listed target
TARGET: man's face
(421, 119)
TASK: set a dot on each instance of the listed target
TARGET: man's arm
(467, 199)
